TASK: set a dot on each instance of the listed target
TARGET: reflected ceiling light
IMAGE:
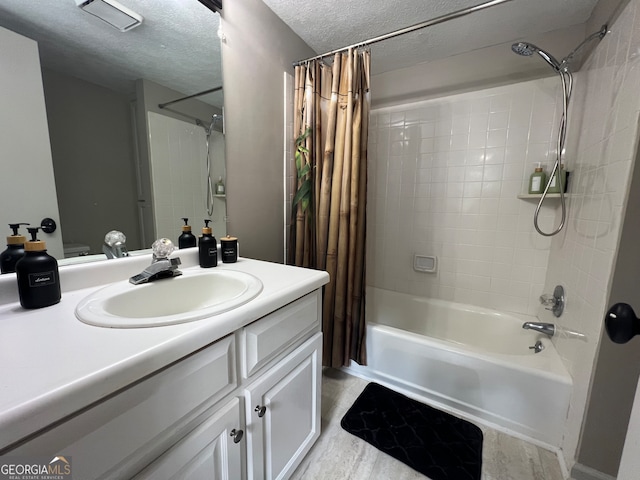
(112, 13)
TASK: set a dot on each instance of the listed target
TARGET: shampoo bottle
(537, 181)
(220, 190)
(14, 251)
(38, 277)
(186, 239)
(207, 247)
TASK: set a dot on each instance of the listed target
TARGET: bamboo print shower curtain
(328, 228)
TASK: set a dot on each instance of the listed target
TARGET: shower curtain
(328, 225)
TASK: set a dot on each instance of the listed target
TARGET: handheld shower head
(527, 49)
(523, 48)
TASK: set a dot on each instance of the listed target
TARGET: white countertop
(52, 365)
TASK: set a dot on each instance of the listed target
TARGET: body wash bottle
(537, 180)
(558, 181)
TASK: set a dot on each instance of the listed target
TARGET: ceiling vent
(112, 13)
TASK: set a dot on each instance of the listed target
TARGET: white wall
(26, 181)
(257, 50)
(443, 180)
(93, 152)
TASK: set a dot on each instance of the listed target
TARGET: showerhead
(215, 118)
(523, 48)
(527, 49)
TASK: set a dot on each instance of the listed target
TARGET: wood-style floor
(341, 456)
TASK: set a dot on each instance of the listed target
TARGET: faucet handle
(162, 248)
(554, 302)
(548, 300)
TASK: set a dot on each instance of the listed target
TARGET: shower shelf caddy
(528, 196)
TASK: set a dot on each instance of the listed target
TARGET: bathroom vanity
(236, 395)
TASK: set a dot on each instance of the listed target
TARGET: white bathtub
(469, 359)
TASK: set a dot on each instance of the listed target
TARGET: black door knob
(621, 323)
(48, 225)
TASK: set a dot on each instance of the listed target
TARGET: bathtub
(469, 360)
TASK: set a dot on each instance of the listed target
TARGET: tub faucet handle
(547, 300)
(554, 302)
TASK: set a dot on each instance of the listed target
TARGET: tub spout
(546, 328)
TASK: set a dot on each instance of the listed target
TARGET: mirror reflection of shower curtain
(179, 172)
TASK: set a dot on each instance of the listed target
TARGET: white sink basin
(195, 295)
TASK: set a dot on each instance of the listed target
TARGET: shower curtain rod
(412, 28)
(211, 90)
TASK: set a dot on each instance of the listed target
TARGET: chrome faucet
(161, 266)
(546, 328)
(114, 245)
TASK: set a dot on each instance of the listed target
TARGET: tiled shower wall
(444, 178)
(601, 147)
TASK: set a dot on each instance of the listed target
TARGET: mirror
(124, 156)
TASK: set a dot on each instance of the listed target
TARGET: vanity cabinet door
(283, 413)
(212, 451)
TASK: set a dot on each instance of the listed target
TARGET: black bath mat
(435, 443)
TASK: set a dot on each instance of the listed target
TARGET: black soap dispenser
(187, 239)
(14, 251)
(38, 277)
(207, 247)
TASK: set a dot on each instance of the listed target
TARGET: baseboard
(582, 472)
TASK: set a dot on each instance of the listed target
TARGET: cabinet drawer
(264, 339)
(124, 433)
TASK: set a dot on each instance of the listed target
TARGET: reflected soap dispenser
(187, 239)
(37, 272)
(14, 251)
(207, 247)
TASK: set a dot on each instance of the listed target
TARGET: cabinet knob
(261, 410)
(237, 435)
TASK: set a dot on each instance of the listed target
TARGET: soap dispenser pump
(187, 239)
(14, 251)
(207, 247)
(37, 272)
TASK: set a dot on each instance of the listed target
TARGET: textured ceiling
(177, 44)
(328, 24)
